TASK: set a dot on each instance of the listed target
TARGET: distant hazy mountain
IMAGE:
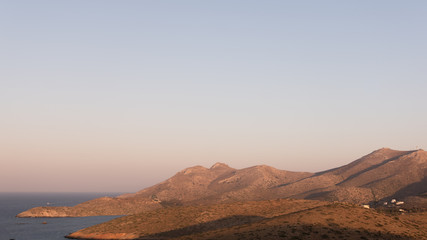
(379, 176)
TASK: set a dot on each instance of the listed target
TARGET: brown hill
(194, 185)
(379, 176)
(272, 219)
(95, 207)
(219, 183)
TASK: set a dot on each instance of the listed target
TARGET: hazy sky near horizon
(119, 95)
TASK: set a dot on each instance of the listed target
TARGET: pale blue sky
(119, 95)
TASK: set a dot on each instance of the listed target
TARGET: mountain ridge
(378, 176)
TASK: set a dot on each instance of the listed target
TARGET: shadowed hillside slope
(272, 219)
(379, 176)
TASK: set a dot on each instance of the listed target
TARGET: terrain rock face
(379, 176)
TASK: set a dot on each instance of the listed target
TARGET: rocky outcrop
(47, 212)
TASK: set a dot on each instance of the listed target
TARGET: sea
(44, 228)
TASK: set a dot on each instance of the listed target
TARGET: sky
(115, 96)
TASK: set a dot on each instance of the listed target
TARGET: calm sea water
(33, 228)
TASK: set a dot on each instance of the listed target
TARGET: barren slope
(381, 175)
(273, 219)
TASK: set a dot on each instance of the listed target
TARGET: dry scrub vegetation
(272, 219)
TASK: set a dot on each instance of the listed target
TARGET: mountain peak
(219, 165)
(194, 169)
(387, 152)
(419, 153)
(384, 149)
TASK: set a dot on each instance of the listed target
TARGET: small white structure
(399, 203)
(393, 201)
(365, 206)
(385, 203)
